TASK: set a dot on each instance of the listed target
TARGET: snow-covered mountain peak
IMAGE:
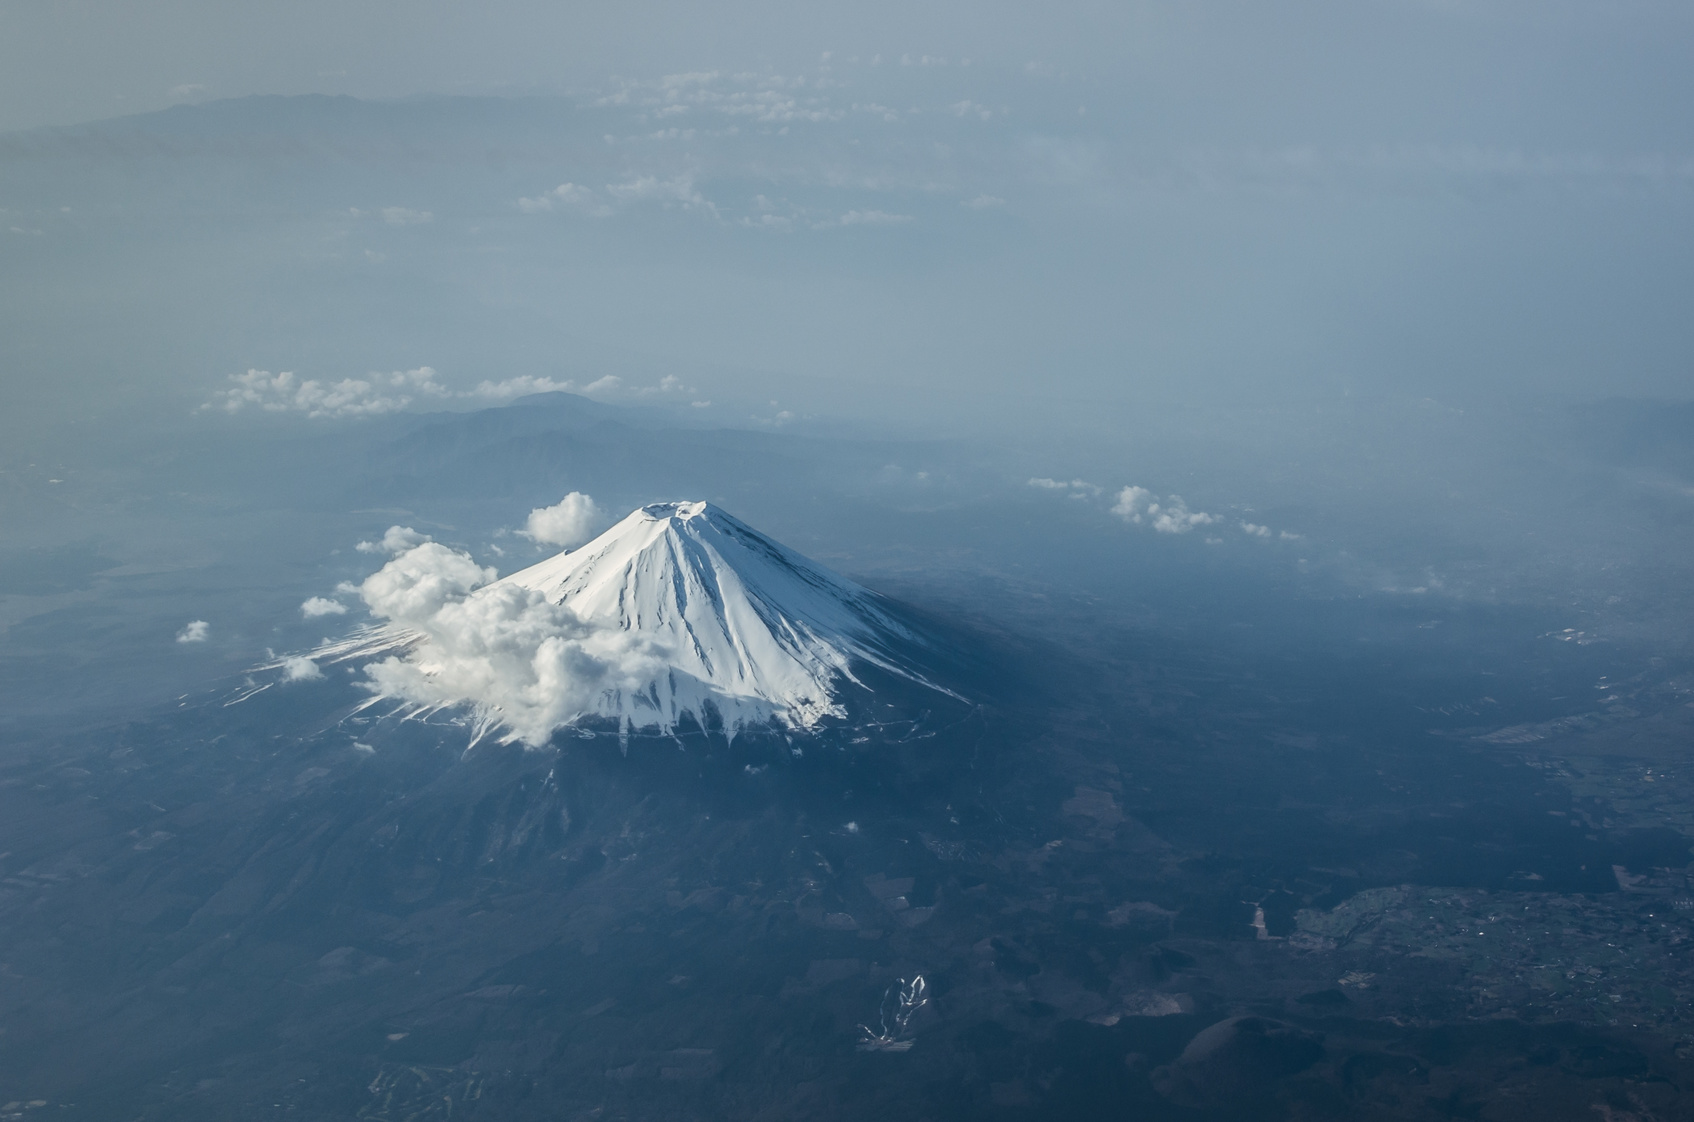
(679, 615)
(749, 628)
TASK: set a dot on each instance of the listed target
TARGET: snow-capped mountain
(750, 627)
(680, 613)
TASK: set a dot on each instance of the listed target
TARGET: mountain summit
(747, 628)
(678, 615)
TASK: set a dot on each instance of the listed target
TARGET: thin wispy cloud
(378, 394)
(405, 216)
(1074, 488)
(866, 218)
(566, 196)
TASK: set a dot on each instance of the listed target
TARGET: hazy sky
(1555, 76)
(917, 210)
(1322, 268)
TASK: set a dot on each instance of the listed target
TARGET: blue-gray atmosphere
(925, 562)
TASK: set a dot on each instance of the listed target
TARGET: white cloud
(420, 579)
(780, 223)
(1137, 505)
(405, 216)
(299, 668)
(565, 195)
(1132, 503)
(531, 665)
(868, 218)
(397, 539)
(521, 386)
(1075, 488)
(390, 393)
(573, 195)
(678, 190)
(322, 606)
(669, 384)
(568, 523)
(350, 397)
(609, 385)
(1174, 517)
(194, 632)
(763, 98)
(1140, 507)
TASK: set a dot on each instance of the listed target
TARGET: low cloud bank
(527, 664)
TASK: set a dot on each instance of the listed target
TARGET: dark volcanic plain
(1142, 876)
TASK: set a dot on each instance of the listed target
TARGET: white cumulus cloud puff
(194, 632)
(322, 606)
(1137, 505)
(528, 664)
(397, 539)
(568, 523)
(299, 668)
